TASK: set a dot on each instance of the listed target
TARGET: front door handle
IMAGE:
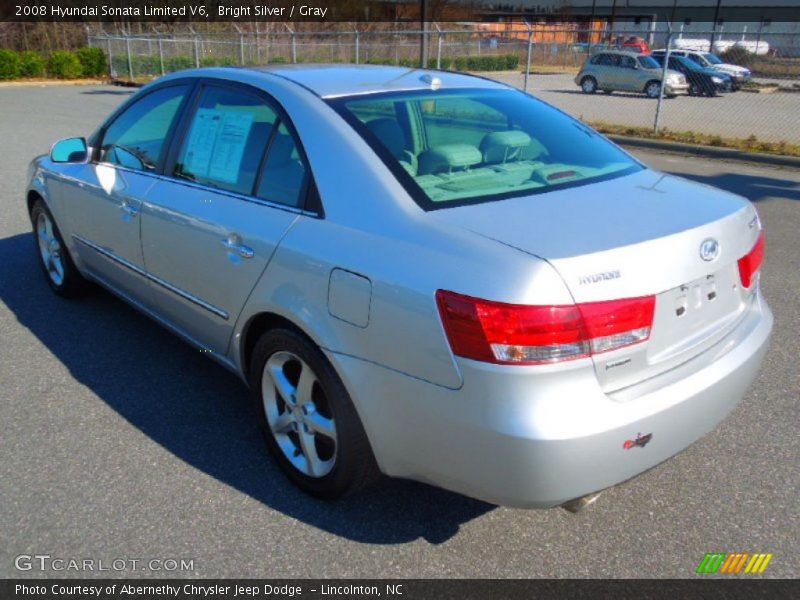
(129, 207)
(234, 244)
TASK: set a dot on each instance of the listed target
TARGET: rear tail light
(518, 334)
(750, 263)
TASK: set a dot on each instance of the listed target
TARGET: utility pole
(714, 28)
(613, 16)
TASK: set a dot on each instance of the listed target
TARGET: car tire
(652, 89)
(694, 90)
(307, 418)
(59, 270)
(588, 85)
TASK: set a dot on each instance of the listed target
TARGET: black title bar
(398, 589)
(200, 11)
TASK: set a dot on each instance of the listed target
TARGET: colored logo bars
(734, 563)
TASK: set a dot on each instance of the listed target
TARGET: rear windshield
(457, 147)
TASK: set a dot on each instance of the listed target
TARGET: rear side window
(284, 176)
(136, 138)
(226, 140)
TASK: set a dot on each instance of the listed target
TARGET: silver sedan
(417, 273)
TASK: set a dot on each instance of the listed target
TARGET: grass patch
(749, 144)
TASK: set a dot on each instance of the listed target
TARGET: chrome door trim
(155, 279)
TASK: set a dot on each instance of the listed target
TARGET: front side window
(712, 58)
(606, 60)
(463, 146)
(627, 62)
(226, 140)
(136, 139)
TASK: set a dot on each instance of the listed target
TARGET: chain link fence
(764, 114)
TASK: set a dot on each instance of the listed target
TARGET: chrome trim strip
(139, 271)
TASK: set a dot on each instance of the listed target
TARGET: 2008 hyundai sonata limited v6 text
(420, 273)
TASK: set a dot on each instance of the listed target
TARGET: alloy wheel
(299, 414)
(50, 249)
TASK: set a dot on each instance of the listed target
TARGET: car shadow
(753, 187)
(109, 92)
(200, 412)
(615, 94)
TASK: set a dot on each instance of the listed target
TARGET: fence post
(161, 55)
(438, 47)
(294, 43)
(528, 59)
(657, 121)
(196, 52)
(128, 50)
(358, 49)
(110, 58)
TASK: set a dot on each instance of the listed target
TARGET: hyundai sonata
(418, 273)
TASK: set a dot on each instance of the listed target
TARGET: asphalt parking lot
(769, 117)
(121, 442)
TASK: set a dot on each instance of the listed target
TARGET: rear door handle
(234, 244)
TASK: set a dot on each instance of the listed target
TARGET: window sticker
(216, 144)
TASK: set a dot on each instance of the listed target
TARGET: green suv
(615, 71)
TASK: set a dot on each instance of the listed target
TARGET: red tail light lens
(518, 334)
(750, 263)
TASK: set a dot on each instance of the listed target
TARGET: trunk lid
(637, 235)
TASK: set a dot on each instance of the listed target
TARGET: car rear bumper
(536, 437)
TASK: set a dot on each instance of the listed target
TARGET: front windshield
(712, 58)
(648, 62)
(689, 64)
(475, 145)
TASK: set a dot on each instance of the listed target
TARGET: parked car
(636, 44)
(739, 75)
(426, 274)
(702, 81)
(613, 70)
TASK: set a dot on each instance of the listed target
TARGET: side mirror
(70, 150)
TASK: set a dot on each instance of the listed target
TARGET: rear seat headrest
(443, 159)
(502, 146)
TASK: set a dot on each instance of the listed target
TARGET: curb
(50, 82)
(708, 151)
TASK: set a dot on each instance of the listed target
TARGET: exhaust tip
(578, 504)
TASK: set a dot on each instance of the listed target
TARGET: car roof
(330, 81)
(621, 53)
